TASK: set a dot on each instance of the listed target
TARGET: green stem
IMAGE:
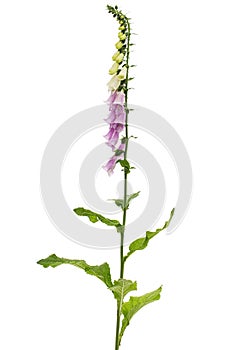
(125, 153)
(122, 262)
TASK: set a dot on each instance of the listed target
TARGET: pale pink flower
(116, 115)
(116, 97)
(116, 121)
(110, 165)
(112, 137)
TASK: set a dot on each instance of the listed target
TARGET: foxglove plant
(117, 120)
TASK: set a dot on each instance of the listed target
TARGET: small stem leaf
(124, 163)
(141, 243)
(94, 217)
(100, 271)
(131, 307)
(121, 288)
(120, 202)
(131, 196)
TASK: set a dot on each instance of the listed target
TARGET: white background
(54, 60)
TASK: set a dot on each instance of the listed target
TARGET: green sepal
(100, 271)
(94, 217)
(141, 243)
(118, 152)
(131, 307)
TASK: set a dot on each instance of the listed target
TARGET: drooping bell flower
(110, 165)
(114, 83)
(116, 121)
(112, 137)
(119, 154)
(122, 74)
(116, 115)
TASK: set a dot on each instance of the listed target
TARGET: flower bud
(116, 54)
(121, 28)
(122, 74)
(120, 58)
(121, 36)
(119, 45)
(114, 68)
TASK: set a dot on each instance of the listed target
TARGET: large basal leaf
(94, 217)
(100, 271)
(131, 307)
(121, 288)
(141, 243)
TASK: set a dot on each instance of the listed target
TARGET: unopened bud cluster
(118, 69)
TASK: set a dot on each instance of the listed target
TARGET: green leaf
(131, 307)
(121, 288)
(130, 197)
(120, 202)
(124, 163)
(141, 243)
(100, 271)
(94, 217)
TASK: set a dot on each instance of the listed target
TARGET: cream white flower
(122, 74)
(114, 83)
(114, 68)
